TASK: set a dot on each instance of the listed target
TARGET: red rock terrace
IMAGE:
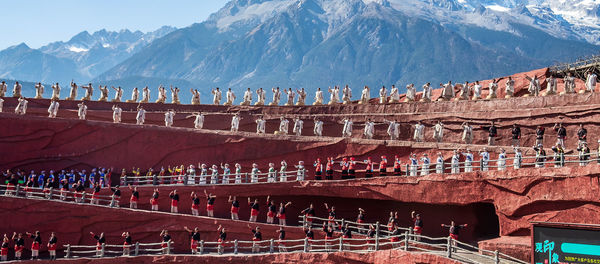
(498, 206)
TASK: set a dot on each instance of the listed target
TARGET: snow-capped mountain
(318, 43)
(82, 58)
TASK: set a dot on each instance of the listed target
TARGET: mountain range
(320, 43)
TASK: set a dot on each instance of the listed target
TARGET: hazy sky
(39, 22)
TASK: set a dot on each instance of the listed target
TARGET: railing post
(154, 180)
(304, 220)
(406, 234)
(306, 244)
(112, 201)
(449, 247)
(185, 179)
(169, 247)
(341, 248)
(443, 167)
(271, 246)
(496, 257)
(407, 170)
(246, 177)
(343, 222)
(137, 249)
(102, 250)
(17, 189)
(377, 236)
(480, 165)
(82, 197)
(68, 253)
(235, 246)
(50, 194)
(201, 247)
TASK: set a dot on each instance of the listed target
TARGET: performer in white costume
(140, 118)
(276, 96)
(21, 108)
(346, 95)
(82, 110)
(216, 96)
(419, 131)
(117, 114)
(175, 95)
(438, 132)
(230, 97)
(509, 87)
(53, 108)
(195, 96)
(235, 122)
(318, 128)
(365, 96)
(103, 93)
(318, 97)
(427, 90)
(383, 95)
(247, 99)
(135, 96)
(118, 94)
(73, 92)
(89, 91)
(298, 125)
(283, 126)
(261, 96)
(301, 97)
(39, 91)
(290, 96)
(260, 125)
(55, 92)
(347, 129)
(369, 129)
(169, 115)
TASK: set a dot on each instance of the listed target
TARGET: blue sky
(39, 22)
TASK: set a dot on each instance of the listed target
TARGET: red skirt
(94, 195)
(395, 239)
(19, 248)
(453, 236)
(133, 199)
(195, 207)
(270, 214)
(281, 216)
(418, 230)
(309, 218)
(4, 251)
(220, 241)
(254, 212)
(210, 207)
(174, 203)
(235, 210)
(10, 187)
(126, 245)
(255, 239)
(35, 246)
(98, 246)
(163, 245)
(52, 247)
(194, 244)
(360, 221)
(154, 201)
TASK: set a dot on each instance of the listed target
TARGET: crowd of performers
(461, 160)
(330, 229)
(450, 91)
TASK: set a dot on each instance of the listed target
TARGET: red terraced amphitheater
(498, 206)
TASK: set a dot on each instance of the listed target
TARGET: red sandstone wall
(379, 257)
